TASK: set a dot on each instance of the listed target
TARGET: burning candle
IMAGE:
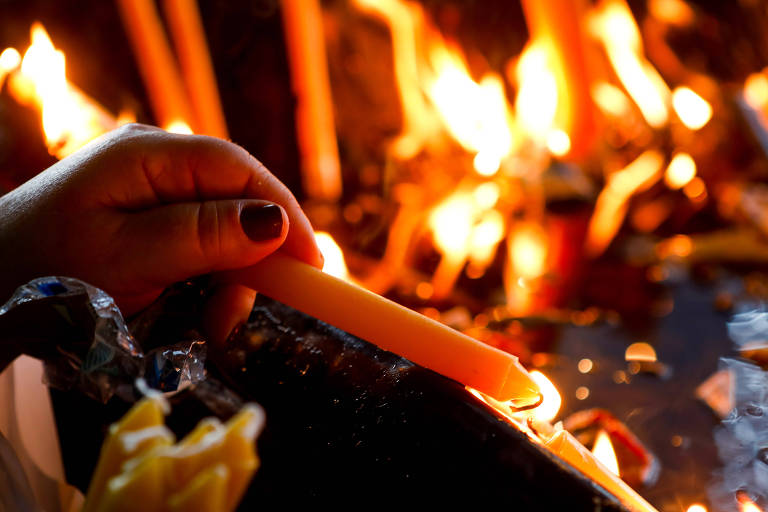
(565, 446)
(557, 25)
(390, 326)
(314, 108)
(156, 63)
(196, 67)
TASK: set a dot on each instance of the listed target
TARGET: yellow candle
(390, 326)
(315, 128)
(207, 491)
(564, 445)
(196, 66)
(156, 62)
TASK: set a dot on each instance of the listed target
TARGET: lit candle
(390, 326)
(156, 62)
(565, 446)
(315, 128)
(196, 66)
(557, 24)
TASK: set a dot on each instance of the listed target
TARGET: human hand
(139, 209)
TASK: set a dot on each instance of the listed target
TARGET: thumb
(174, 242)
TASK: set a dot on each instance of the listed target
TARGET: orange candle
(390, 326)
(196, 67)
(315, 128)
(156, 63)
(557, 24)
(565, 446)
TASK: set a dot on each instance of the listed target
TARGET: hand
(139, 209)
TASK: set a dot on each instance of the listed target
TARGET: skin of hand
(139, 209)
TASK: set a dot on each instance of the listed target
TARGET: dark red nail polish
(262, 222)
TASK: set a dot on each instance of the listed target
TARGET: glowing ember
(611, 206)
(614, 25)
(640, 351)
(549, 408)
(681, 170)
(334, 257)
(696, 507)
(178, 126)
(693, 110)
(604, 452)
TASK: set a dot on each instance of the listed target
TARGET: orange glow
(610, 99)
(10, 59)
(558, 143)
(611, 205)
(746, 504)
(674, 12)
(679, 246)
(536, 101)
(756, 90)
(696, 190)
(640, 351)
(604, 452)
(334, 258)
(549, 408)
(451, 224)
(693, 110)
(696, 507)
(680, 172)
(487, 194)
(614, 25)
(178, 126)
(486, 235)
(528, 250)
(70, 119)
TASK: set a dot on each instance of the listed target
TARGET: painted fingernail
(262, 222)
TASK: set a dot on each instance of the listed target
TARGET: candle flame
(693, 110)
(615, 26)
(680, 172)
(550, 406)
(70, 119)
(333, 255)
(604, 452)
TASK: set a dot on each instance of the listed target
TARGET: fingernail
(262, 222)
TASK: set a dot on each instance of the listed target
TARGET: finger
(157, 247)
(228, 307)
(180, 168)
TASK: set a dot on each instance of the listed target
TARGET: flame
(746, 504)
(451, 223)
(674, 12)
(614, 25)
(604, 452)
(178, 126)
(696, 507)
(10, 59)
(610, 99)
(756, 90)
(536, 101)
(549, 408)
(680, 172)
(486, 235)
(528, 250)
(611, 205)
(70, 119)
(693, 110)
(334, 257)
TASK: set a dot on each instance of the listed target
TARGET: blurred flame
(680, 171)
(611, 205)
(549, 408)
(604, 452)
(696, 507)
(178, 126)
(9, 60)
(614, 25)
(756, 90)
(451, 223)
(674, 12)
(486, 235)
(610, 99)
(70, 119)
(528, 250)
(746, 504)
(558, 143)
(693, 110)
(334, 257)
(536, 101)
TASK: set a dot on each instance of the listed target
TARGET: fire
(756, 90)
(528, 251)
(536, 101)
(696, 507)
(70, 119)
(746, 504)
(178, 126)
(334, 257)
(486, 235)
(680, 172)
(451, 224)
(611, 206)
(610, 99)
(614, 25)
(604, 452)
(693, 110)
(550, 406)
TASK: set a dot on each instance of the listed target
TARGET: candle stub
(390, 326)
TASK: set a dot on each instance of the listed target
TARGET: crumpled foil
(86, 344)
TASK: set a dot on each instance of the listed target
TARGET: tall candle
(157, 65)
(196, 67)
(565, 446)
(316, 133)
(557, 24)
(390, 326)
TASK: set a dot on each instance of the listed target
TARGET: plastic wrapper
(81, 335)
